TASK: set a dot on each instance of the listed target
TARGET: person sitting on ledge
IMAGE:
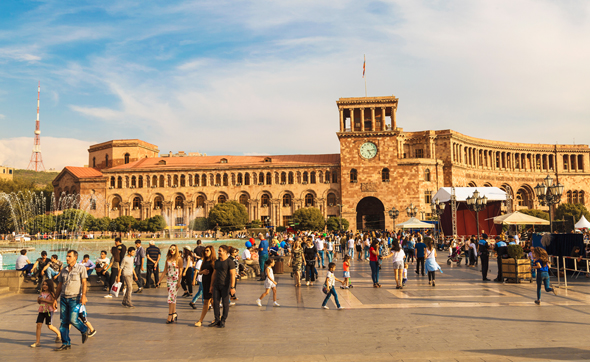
(23, 263)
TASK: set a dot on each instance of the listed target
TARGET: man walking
(138, 263)
(223, 281)
(153, 258)
(71, 289)
(319, 244)
(118, 253)
(262, 255)
(420, 246)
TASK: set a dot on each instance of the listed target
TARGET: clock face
(368, 150)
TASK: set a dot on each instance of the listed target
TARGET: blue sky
(262, 77)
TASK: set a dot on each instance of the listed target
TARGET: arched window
(334, 177)
(119, 182)
(305, 177)
(221, 199)
(225, 180)
(247, 179)
(331, 199)
(264, 200)
(291, 179)
(175, 180)
(106, 161)
(268, 178)
(261, 178)
(287, 200)
(569, 197)
(581, 198)
(158, 201)
(178, 202)
(427, 175)
(353, 176)
(140, 182)
(204, 180)
(243, 200)
(575, 197)
(327, 176)
(197, 180)
(162, 184)
(116, 202)
(93, 161)
(312, 177)
(298, 177)
(309, 200)
(126, 158)
(133, 181)
(217, 179)
(283, 178)
(112, 181)
(136, 202)
(385, 175)
(200, 201)
(240, 179)
(182, 180)
(154, 181)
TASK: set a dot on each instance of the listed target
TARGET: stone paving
(461, 319)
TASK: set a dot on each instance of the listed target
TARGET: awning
(518, 218)
(582, 223)
(414, 223)
(462, 193)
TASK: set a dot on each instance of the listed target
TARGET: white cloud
(56, 152)
(2, 116)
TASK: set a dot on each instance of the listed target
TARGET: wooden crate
(516, 270)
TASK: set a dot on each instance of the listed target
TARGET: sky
(262, 77)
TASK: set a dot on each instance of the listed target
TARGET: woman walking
(430, 264)
(206, 271)
(542, 264)
(172, 270)
(374, 263)
(296, 261)
(398, 255)
(310, 253)
(187, 273)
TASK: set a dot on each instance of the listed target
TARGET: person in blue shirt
(262, 255)
(419, 247)
(542, 264)
(501, 249)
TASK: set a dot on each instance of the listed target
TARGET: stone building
(6, 173)
(379, 167)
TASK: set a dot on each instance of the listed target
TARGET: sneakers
(139, 290)
(231, 304)
(537, 302)
(340, 308)
(84, 337)
(92, 334)
(307, 283)
(63, 347)
(275, 304)
(108, 296)
(554, 291)
(259, 302)
(35, 345)
(325, 307)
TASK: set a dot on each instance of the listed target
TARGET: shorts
(398, 265)
(346, 274)
(45, 317)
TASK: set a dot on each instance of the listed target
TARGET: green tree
(41, 224)
(72, 220)
(570, 214)
(309, 218)
(333, 224)
(199, 224)
(156, 223)
(141, 225)
(124, 223)
(254, 224)
(101, 224)
(229, 216)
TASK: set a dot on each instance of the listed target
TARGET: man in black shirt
(118, 252)
(153, 258)
(199, 250)
(222, 281)
(484, 254)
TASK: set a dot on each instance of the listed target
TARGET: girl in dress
(172, 272)
(206, 271)
(269, 284)
(46, 308)
(296, 261)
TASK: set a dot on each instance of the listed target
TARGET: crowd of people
(212, 275)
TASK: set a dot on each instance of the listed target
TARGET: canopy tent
(582, 223)
(414, 223)
(518, 218)
(462, 193)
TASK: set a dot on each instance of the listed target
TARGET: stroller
(455, 257)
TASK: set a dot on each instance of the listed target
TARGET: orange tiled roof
(232, 161)
(84, 172)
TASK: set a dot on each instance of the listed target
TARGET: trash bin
(278, 268)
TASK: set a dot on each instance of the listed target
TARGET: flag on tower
(364, 62)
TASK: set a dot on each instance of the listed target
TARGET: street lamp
(412, 210)
(476, 203)
(437, 209)
(393, 214)
(549, 194)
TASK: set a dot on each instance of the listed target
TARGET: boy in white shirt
(127, 269)
(330, 281)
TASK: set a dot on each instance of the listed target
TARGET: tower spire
(36, 163)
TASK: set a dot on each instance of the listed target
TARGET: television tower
(36, 163)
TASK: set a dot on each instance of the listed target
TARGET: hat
(152, 243)
(187, 248)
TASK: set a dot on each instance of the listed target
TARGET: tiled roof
(232, 161)
(84, 172)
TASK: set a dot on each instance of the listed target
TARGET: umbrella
(518, 218)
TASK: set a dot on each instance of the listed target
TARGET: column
(341, 120)
(393, 118)
(351, 110)
(382, 119)
(373, 127)
(362, 120)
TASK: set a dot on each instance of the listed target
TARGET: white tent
(462, 193)
(518, 218)
(582, 223)
(414, 223)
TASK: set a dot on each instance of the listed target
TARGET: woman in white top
(430, 263)
(330, 249)
(398, 255)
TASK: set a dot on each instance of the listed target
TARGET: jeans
(543, 278)
(351, 253)
(220, 294)
(309, 271)
(69, 315)
(330, 256)
(366, 250)
(331, 292)
(51, 273)
(321, 253)
(420, 264)
(262, 259)
(410, 256)
(128, 281)
(533, 271)
(27, 268)
(155, 272)
(374, 271)
(139, 278)
(199, 294)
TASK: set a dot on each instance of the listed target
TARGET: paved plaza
(461, 319)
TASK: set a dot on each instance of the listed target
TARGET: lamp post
(437, 209)
(412, 210)
(476, 203)
(393, 214)
(549, 194)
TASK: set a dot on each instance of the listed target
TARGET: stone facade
(6, 173)
(379, 167)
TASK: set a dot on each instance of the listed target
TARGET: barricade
(575, 269)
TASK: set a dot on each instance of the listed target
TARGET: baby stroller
(455, 256)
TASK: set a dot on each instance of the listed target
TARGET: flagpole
(364, 73)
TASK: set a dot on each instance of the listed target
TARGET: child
(46, 302)
(542, 265)
(330, 281)
(127, 269)
(405, 275)
(235, 257)
(269, 283)
(346, 273)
